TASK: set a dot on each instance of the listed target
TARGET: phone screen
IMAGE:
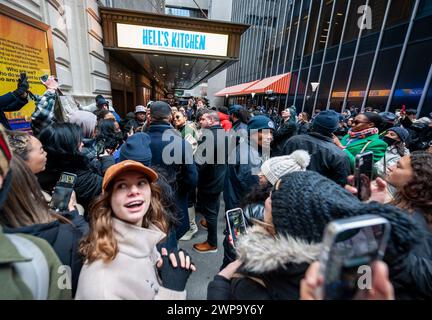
(363, 175)
(350, 250)
(236, 224)
(63, 192)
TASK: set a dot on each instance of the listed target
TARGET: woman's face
(131, 197)
(361, 122)
(286, 114)
(393, 135)
(179, 119)
(262, 179)
(37, 157)
(268, 210)
(401, 173)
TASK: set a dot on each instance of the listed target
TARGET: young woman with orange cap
(127, 222)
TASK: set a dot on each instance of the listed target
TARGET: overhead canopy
(279, 84)
(235, 90)
(177, 52)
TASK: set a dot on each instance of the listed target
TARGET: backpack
(34, 273)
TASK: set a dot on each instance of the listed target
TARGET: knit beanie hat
(260, 123)
(137, 148)
(401, 132)
(276, 167)
(305, 202)
(326, 122)
(86, 120)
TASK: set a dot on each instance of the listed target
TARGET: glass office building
(374, 53)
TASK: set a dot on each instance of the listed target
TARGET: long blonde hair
(100, 243)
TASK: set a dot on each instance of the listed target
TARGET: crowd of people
(141, 180)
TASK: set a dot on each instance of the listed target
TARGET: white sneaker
(190, 234)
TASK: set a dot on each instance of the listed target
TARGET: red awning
(236, 90)
(279, 84)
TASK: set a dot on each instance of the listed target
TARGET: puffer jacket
(271, 268)
(224, 121)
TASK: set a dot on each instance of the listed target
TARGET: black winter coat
(412, 279)
(211, 176)
(64, 238)
(280, 137)
(9, 103)
(272, 269)
(326, 158)
(183, 170)
(89, 182)
(302, 127)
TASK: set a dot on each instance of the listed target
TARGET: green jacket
(12, 287)
(376, 145)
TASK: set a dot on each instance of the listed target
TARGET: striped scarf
(362, 134)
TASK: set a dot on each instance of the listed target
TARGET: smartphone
(349, 247)
(363, 171)
(63, 192)
(236, 224)
(44, 78)
(100, 147)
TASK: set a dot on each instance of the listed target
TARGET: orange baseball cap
(125, 166)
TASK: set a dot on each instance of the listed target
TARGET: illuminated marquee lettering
(179, 40)
(171, 40)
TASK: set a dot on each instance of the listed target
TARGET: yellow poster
(23, 48)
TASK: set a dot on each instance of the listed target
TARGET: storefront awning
(236, 90)
(279, 84)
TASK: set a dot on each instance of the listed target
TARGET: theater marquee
(171, 40)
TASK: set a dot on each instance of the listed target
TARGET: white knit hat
(274, 168)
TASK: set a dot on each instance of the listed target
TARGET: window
(413, 75)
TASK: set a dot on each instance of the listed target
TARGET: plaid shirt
(43, 116)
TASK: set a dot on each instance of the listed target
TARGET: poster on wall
(23, 48)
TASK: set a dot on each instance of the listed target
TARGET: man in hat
(103, 104)
(326, 158)
(244, 165)
(140, 118)
(174, 154)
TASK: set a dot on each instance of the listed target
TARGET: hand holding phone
(63, 190)
(236, 224)
(363, 175)
(350, 246)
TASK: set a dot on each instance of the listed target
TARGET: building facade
(361, 52)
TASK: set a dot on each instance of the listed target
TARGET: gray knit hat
(276, 167)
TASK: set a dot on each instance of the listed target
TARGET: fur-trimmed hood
(261, 253)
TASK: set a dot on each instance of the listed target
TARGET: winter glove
(175, 269)
(23, 85)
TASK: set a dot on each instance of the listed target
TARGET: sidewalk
(207, 264)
